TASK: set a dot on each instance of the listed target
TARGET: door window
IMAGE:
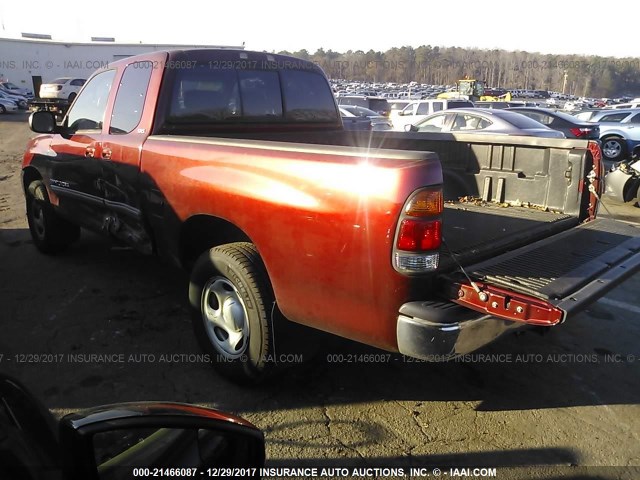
(89, 108)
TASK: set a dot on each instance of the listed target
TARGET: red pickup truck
(234, 164)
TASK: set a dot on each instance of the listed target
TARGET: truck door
(120, 157)
(76, 169)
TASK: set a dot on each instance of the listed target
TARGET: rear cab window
(226, 92)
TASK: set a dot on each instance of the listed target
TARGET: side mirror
(410, 128)
(111, 442)
(43, 122)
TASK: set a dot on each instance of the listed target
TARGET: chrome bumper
(439, 330)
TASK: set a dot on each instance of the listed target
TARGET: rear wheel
(71, 97)
(50, 232)
(614, 148)
(2, 109)
(232, 306)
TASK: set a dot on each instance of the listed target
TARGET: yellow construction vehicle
(474, 90)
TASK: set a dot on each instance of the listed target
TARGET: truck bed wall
(544, 172)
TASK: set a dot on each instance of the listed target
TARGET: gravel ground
(567, 400)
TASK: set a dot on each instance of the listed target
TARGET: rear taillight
(581, 132)
(419, 233)
(59, 87)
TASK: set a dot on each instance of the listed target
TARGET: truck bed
(516, 190)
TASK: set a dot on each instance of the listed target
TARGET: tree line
(581, 75)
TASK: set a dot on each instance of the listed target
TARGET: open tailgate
(545, 282)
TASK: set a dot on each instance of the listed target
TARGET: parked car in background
(416, 111)
(483, 121)
(19, 100)
(619, 132)
(377, 104)
(563, 122)
(619, 106)
(7, 106)
(354, 122)
(378, 122)
(16, 90)
(66, 87)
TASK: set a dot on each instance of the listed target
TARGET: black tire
(2, 110)
(50, 232)
(614, 149)
(71, 97)
(233, 307)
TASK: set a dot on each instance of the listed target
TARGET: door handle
(106, 153)
(90, 152)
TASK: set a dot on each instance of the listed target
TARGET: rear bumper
(440, 330)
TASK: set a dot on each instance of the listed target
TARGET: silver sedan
(483, 121)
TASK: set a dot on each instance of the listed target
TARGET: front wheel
(232, 306)
(614, 149)
(50, 232)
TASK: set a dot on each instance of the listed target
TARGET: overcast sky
(538, 26)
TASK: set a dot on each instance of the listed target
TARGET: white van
(418, 110)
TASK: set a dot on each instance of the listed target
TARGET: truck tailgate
(544, 282)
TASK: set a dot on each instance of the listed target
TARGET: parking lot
(102, 324)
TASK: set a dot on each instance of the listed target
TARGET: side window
(410, 109)
(434, 124)
(437, 106)
(635, 119)
(469, 122)
(89, 108)
(614, 117)
(132, 91)
(538, 117)
(76, 82)
(423, 108)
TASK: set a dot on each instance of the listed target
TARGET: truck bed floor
(472, 231)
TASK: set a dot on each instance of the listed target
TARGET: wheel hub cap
(225, 318)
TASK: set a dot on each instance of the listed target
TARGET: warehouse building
(34, 59)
